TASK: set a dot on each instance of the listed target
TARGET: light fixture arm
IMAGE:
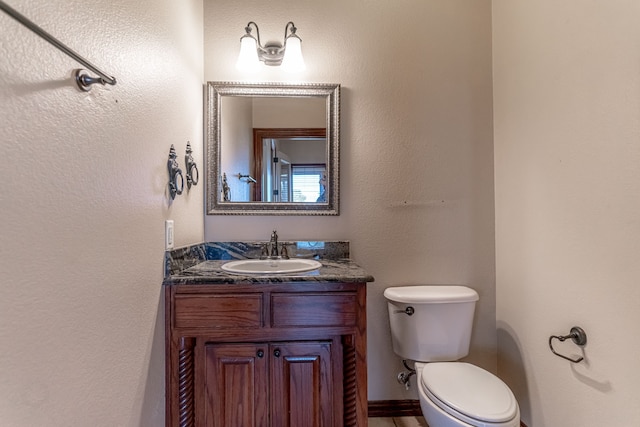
(293, 31)
(247, 29)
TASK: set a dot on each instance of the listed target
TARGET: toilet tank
(431, 323)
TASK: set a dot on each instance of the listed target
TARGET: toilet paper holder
(577, 335)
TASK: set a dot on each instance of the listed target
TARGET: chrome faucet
(270, 250)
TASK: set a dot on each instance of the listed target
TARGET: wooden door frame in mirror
(276, 133)
(214, 91)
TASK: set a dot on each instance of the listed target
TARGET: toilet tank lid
(431, 294)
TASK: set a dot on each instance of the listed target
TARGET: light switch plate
(168, 234)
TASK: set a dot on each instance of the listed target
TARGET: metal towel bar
(83, 80)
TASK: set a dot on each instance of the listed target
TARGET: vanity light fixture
(288, 54)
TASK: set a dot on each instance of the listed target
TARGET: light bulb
(293, 61)
(248, 60)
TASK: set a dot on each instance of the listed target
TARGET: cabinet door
(236, 385)
(301, 384)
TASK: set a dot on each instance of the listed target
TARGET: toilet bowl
(458, 394)
(432, 325)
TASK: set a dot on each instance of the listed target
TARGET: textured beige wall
(84, 237)
(235, 157)
(567, 156)
(83, 205)
(416, 159)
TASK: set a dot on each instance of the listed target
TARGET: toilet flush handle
(408, 311)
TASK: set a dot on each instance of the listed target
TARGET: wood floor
(404, 422)
(397, 422)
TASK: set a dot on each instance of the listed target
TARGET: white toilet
(431, 325)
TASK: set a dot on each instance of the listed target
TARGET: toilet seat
(469, 393)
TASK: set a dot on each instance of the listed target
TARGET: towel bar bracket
(84, 80)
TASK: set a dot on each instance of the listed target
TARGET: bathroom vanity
(264, 350)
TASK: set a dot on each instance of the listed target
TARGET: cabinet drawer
(313, 310)
(218, 311)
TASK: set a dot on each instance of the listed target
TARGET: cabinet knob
(260, 353)
(276, 353)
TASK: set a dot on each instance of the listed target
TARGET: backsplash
(179, 259)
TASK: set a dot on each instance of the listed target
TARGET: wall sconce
(288, 54)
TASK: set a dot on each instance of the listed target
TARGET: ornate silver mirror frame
(216, 203)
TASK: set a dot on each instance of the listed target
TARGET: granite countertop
(201, 264)
(210, 272)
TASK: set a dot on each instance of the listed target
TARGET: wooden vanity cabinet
(266, 355)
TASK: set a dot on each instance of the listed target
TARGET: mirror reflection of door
(290, 165)
(284, 178)
(275, 177)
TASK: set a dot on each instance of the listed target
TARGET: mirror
(272, 148)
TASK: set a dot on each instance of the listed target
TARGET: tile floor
(398, 422)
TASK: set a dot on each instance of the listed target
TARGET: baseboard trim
(398, 408)
(394, 408)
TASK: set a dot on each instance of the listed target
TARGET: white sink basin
(270, 266)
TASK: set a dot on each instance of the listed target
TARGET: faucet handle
(284, 252)
(264, 252)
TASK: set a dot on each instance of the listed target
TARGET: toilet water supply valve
(405, 376)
